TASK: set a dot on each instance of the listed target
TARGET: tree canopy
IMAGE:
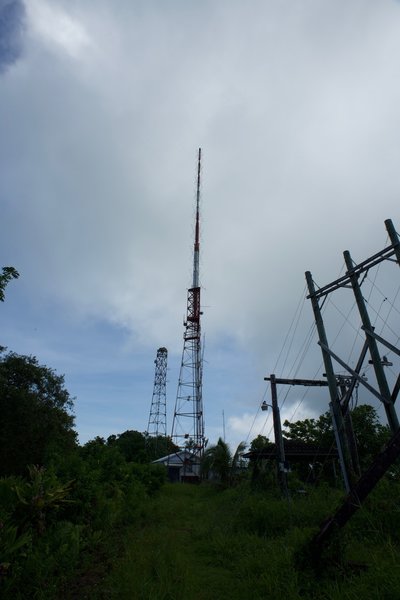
(312, 431)
(7, 274)
(259, 443)
(36, 413)
(135, 446)
(369, 432)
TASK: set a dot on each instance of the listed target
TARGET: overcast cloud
(12, 16)
(296, 108)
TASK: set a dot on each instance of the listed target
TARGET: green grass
(200, 543)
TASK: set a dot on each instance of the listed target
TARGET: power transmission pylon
(359, 489)
(188, 420)
(157, 425)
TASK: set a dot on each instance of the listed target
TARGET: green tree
(262, 475)
(220, 460)
(140, 448)
(312, 431)
(36, 421)
(370, 434)
(7, 274)
(260, 443)
(158, 446)
(131, 444)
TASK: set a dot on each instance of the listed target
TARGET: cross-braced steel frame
(157, 425)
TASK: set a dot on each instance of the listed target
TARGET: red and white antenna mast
(196, 253)
(188, 420)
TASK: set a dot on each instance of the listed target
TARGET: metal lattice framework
(188, 421)
(341, 389)
(158, 411)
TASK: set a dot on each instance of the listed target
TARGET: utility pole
(372, 345)
(280, 449)
(279, 444)
(351, 279)
(337, 418)
(344, 383)
(394, 238)
(360, 489)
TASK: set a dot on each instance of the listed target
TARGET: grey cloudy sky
(102, 108)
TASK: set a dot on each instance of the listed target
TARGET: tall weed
(53, 522)
(202, 543)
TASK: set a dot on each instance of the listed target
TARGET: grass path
(184, 550)
(198, 543)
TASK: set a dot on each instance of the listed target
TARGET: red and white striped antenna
(188, 422)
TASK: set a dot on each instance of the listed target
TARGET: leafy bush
(58, 512)
(52, 520)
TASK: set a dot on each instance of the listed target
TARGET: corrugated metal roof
(176, 458)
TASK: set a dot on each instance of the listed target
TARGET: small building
(182, 466)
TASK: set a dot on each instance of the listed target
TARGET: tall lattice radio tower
(188, 420)
(158, 411)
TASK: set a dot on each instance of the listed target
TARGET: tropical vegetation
(233, 543)
(99, 520)
(61, 505)
(6, 275)
(219, 463)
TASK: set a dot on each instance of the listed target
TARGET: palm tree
(220, 460)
